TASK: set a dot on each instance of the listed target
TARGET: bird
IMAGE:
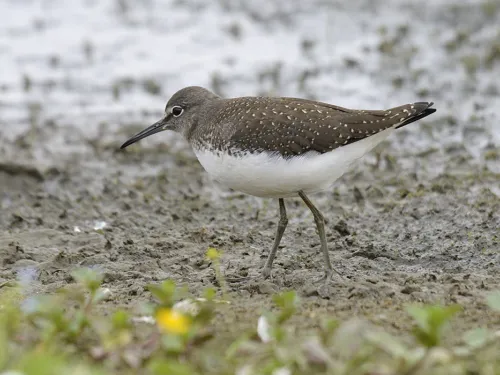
(278, 147)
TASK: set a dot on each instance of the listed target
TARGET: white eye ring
(177, 110)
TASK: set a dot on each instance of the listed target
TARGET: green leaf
(328, 327)
(121, 320)
(476, 338)
(387, 343)
(41, 364)
(209, 294)
(431, 321)
(89, 278)
(45, 306)
(4, 344)
(75, 326)
(173, 343)
(493, 300)
(286, 299)
(166, 293)
(287, 302)
(420, 315)
(242, 344)
(205, 313)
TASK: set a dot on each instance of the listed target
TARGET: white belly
(271, 176)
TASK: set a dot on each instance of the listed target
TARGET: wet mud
(417, 220)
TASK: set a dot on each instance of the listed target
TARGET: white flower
(263, 329)
(99, 225)
(244, 370)
(282, 371)
(188, 306)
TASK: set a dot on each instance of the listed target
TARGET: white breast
(272, 176)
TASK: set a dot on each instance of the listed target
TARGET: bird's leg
(320, 224)
(266, 271)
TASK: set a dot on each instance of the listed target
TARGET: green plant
(72, 331)
(430, 322)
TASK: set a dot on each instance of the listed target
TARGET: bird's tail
(422, 109)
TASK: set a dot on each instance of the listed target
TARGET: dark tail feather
(423, 109)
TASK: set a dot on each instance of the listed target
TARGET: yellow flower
(213, 253)
(171, 321)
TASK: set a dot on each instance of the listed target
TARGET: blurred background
(92, 66)
(79, 77)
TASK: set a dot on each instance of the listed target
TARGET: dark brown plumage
(291, 126)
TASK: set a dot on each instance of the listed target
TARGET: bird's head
(181, 113)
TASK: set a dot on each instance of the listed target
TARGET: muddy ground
(418, 223)
(394, 236)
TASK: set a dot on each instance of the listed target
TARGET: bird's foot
(327, 275)
(266, 273)
(237, 279)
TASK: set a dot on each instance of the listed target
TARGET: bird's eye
(177, 111)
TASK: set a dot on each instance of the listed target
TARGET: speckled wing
(292, 126)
